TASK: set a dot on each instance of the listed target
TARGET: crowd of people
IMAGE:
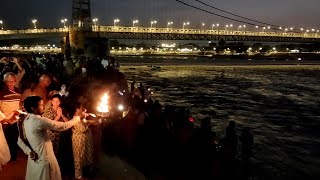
(46, 102)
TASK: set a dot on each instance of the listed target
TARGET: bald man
(39, 90)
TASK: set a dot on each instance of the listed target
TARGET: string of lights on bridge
(184, 25)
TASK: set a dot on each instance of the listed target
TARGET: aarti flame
(103, 106)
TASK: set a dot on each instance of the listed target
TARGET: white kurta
(36, 130)
(4, 149)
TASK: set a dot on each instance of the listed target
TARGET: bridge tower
(82, 40)
(81, 14)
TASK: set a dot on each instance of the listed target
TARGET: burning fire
(103, 106)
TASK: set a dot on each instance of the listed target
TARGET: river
(279, 103)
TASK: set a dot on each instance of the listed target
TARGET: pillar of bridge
(85, 43)
(81, 39)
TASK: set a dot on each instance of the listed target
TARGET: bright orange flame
(103, 105)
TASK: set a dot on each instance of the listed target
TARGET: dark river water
(280, 103)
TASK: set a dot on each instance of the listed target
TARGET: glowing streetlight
(152, 23)
(1, 23)
(213, 25)
(63, 21)
(301, 29)
(257, 28)
(291, 29)
(263, 28)
(185, 24)
(226, 27)
(95, 21)
(203, 25)
(239, 27)
(134, 22)
(34, 21)
(115, 21)
(169, 24)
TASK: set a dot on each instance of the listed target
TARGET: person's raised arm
(58, 126)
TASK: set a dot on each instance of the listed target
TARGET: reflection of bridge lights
(168, 45)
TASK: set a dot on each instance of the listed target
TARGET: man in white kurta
(36, 128)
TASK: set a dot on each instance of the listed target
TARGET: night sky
(286, 13)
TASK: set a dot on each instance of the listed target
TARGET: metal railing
(34, 31)
(124, 29)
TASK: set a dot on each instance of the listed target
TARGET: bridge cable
(219, 14)
(235, 14)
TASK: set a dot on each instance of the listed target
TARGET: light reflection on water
(279, 103)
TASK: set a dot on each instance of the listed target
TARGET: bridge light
(152, 23)
(63, 21)
(95, 23)
(34, 21)
(134, 22)
(203, 25)
(213, 25)
(169, 23)
(301, 29)
(95, 20)
(185, 24)
(115, 21)
(1, 23)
